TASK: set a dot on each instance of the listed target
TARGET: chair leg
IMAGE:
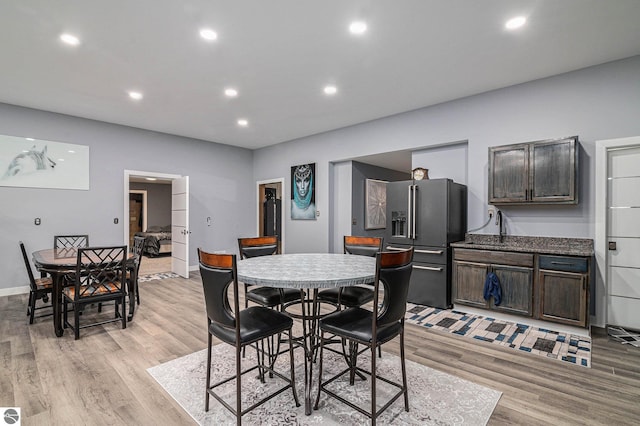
(32, 307)
(404, 372)
(137, 292)
(239, 387)
(373, 386)
(76, 318)
(124, 311)
(206, 396)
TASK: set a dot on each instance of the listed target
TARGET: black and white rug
(435, 398)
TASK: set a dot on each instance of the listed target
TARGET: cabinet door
(563, 297)
(517, 289)
(553, 171)
(468, 283)
(508, 173)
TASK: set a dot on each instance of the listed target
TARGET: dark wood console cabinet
(550, 288)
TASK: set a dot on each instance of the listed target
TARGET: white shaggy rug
(435, 398)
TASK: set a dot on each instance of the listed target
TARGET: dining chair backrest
(393, 270)
(218, 272)
(70, 241)
(27, 264)
(257, 246)
(100, 270)
(363, 246)
(137, 249)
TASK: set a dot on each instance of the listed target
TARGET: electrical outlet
(491, 212)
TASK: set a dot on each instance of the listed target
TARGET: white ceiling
(279, 54)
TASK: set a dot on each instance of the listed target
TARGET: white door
(623, 237)
(180, 226)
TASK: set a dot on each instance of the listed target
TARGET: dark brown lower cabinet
(546, 287)
(563, 297)
(514, 271)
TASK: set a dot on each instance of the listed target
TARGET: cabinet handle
(561, 263)
(428, 268)
(429, 251)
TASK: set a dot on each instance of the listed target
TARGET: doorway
(271, 210)
(137, 212)
(178, 216)
(617, 232)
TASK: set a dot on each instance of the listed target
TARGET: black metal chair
(352, 297)
(132, 273)
(70, 241)
(39, 288)
(100, 276)
(373, 328)
(239, 329)
(264, 296)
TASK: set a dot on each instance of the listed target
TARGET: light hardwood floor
(101, 379)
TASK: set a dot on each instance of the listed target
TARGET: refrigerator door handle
(413, 232)
(390, 248)
(409, 218)
(428, 268)
(430, 251)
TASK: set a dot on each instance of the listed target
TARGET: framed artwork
(303, 192)
(375, 214)
(33, 163)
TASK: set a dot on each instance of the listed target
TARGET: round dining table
(310, 272)
(60, 261)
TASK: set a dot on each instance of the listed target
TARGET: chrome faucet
(500, 223)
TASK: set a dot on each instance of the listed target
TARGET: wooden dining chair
(70, 241)
(39, 289)
(372, 329)
(100, 276)
(239, 328)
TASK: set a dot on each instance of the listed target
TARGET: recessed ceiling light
(70, 39)
(330, 90)
(71, 151)
(30, 139)
(230, 92)
(150, 178)
(358, 27)
(243, 122)
(208, 34)
(515, 23)
(135, 95)
(60, 159)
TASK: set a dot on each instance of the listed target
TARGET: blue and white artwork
(33, 163)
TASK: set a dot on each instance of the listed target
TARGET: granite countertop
(543, 245)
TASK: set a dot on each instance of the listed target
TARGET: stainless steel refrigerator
(428, 215)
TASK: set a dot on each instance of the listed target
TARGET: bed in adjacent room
(157, 240)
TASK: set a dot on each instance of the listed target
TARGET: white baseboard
(14, 290)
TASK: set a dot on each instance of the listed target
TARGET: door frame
(282, 213)
(600, 242)
(144, 206)
(138, 173)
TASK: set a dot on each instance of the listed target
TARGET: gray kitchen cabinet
(542, 172)
(563, 284)
(514, 271)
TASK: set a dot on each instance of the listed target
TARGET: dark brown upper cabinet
(541, 172)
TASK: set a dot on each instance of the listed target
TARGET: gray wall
(360, 173)
(219, 187)
(600, 102)
(158, 202)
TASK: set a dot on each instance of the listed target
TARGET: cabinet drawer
(429, 285)
(495, 257)
(563, 263)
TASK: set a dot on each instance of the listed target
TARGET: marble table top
(307, 270)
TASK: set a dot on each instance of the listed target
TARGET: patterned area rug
(159, 276)
(566, 347)
(435, 398)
